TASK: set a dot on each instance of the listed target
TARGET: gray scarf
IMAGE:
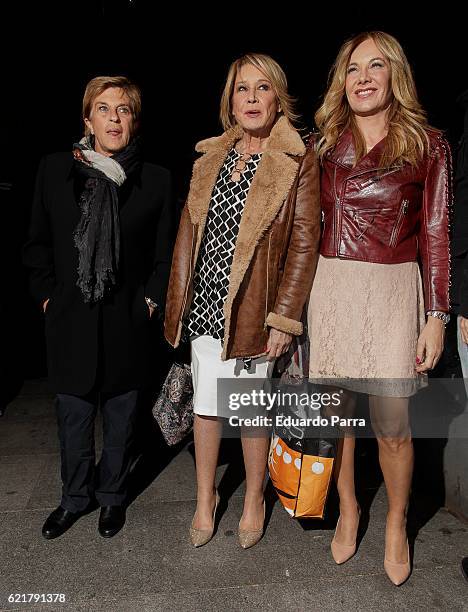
(97, 235)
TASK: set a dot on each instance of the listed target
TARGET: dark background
(180, 57)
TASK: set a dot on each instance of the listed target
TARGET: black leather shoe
(111, 520)
(58, 522)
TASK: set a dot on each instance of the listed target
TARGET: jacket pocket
(378, 177)
(364, 218)
(399, 222)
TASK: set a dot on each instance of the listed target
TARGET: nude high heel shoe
(343, 552)
(200, 537)
(250, 537)
(398, 572)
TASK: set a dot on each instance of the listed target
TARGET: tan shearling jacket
(277, 246)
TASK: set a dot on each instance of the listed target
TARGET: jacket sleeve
(179, 278)
(302, 250)
(156, 285)
(434, 230)
(38, 251)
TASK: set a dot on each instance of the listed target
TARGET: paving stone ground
(150, 565)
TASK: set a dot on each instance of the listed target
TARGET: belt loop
(247, 363)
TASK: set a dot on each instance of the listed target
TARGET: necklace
(240, 167)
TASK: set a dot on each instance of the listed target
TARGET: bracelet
(438, 314)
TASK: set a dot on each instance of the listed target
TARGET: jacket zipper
(376, 178)
(336, 232)
(267, 281)
(390, 170)
(248, 360)
(399, 222)
(335, 214)
(366, 210)
(182, 312)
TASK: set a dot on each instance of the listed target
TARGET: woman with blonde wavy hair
(242, 267)
(375, 325)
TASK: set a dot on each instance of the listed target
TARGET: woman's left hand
(278, 343)
(430, 345)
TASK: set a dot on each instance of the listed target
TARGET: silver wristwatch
(438, 314)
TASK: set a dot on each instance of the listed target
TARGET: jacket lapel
(344, 155)
(204, 175)
(270, 186)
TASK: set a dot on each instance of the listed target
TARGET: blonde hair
(99, 84)
(272, 71)
(407, 139)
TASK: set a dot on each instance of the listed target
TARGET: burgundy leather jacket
(390, 215)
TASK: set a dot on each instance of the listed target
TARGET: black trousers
(82, 480)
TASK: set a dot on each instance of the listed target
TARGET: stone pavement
(150, 564)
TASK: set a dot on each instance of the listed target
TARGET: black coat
(108, 344)
(459, 293)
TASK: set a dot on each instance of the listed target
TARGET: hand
(44, 305)
(278, 343)
(152, 306)
(430, 345)
(464, 329)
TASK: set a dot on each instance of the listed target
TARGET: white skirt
(207, 367)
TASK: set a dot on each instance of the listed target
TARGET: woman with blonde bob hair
(375, 325)
(243, 266)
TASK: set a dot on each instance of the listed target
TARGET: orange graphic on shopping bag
(300, 480)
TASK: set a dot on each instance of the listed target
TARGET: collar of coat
(270, 185)
(273, 179)
(344, 153)
(283, 139)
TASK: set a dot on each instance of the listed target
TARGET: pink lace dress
(364, 321)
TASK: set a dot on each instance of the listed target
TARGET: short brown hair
(99, 84)
(275, 74)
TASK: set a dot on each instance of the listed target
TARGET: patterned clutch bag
(173, 409)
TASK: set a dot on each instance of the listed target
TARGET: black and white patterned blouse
(211, 277)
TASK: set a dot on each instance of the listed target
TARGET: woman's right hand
(430, 345)
(464, 329)
(44, 305)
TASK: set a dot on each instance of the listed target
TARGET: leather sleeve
(433, 236)
(302, 250)
(179, 278)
